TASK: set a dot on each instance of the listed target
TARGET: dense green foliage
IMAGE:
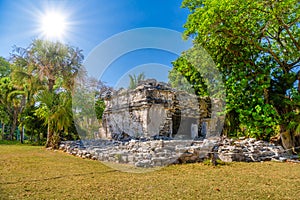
(99, 108)
(11, 101)
(184, 76)
(255, 45)
(36, 89)
(4, 68)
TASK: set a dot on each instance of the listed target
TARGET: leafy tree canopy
(45, 72)
(255, 45)
(4, 67)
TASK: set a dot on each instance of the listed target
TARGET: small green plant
(220, 162)
(209, 162)
(118, 157)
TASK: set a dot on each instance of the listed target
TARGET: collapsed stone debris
(154, 153)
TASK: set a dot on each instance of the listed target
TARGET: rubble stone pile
(152, 153)
(252, 150)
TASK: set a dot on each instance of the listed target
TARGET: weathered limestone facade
(154, 108)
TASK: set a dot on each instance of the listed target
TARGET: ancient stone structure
(154, 108)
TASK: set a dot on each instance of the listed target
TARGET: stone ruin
(155, 125)
(154, 109)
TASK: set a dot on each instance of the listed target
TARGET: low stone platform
(154, 153)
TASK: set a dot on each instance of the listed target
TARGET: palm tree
(24, 79)
(134, 80)
(56, 111)
(55, 60)
(4, 89)
(16, 100)
(56, 66)
(4, 119)
(12, 103)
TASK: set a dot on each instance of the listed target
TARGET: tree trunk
(266, 96)
(53, 138)
(14, 125)
(299, 82)
(2, 132)
(49, 136)
(21, 135)
(38, 138)
(12, 131)
(298, 77)
(51, 83)
(287, 139)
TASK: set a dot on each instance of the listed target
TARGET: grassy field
(28, 172)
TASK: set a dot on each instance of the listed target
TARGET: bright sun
(53, 25)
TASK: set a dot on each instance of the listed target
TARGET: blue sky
(90, 23)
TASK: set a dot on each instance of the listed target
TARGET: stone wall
(152, 153)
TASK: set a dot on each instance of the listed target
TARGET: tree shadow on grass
(51, 178)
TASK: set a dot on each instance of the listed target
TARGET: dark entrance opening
(181, 126)
(176, 119)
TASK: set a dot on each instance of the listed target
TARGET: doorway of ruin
(182, 126)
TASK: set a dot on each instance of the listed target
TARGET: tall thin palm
(56, 111)
(134, 80)
(55, 60)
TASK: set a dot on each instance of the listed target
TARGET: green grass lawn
(30, 172)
